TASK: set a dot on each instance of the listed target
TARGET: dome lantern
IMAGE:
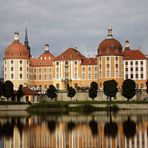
(46, 47)
(16, 36)
(109, 32)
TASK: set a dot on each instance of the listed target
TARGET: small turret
(127, 45)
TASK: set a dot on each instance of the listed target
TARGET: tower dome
(110, 46)
(16, 50)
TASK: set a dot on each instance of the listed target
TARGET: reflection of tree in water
(71, 125)
(110, 128)
(94, 127)
(52, 126)
(20, 126)
(129, 128)
(8, 129)
(1, 131)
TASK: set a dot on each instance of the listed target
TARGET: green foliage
(110, 88)
(147, 86)
(51, 92)
(93, 90)
(70, 91)
(128, 89)
(1, 88)
(129, 128)
(19, 92)
(8, 89)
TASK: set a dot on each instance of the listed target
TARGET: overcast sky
(80, 23)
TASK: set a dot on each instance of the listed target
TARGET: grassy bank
(79, 106)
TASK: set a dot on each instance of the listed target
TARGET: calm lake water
(98, 130)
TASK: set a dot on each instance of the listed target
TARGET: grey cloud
(81, 23)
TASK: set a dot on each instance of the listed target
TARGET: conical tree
(128, 89)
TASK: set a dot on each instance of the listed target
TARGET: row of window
(137, 76)
(20, 76)
(132, 62)
(20, 62)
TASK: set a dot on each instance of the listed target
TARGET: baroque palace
(71, 67)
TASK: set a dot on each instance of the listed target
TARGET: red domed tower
(110, 59)
(16, 63)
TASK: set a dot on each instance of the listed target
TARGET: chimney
(16, 36)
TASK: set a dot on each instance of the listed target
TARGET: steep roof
(43, 60)
(69, 54)
(89, 61)
(134, 55)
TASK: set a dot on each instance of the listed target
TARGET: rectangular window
(50, 76)
(39, 70)
(83, 76)
(136, 68)
(141, 62)
(136, 76)
(11, 68)
(11, 61)
(141, 68)
(20, 68)
(107, 58)
(12, 76)
(136, 63)
(131, 69)
(21, 76)
(126, 63)
(126, 69)
(20, 61)
(39, 77)
(126, 76)
(107, 66)
(34, 77)
(131, 62)
(44, 77)
(116, 58)
(131, 76)
(116, 65)
(141, 76)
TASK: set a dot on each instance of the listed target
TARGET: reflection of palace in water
(78, 132)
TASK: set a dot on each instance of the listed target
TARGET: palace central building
(71, 67)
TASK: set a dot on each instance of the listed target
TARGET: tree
(19, 92)
(8, 89)
(128, 89)
(51, 92)
(93, 90)
(110, 88)
(129, 128)
(147, 86)
(1, 88)
(71, 92)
